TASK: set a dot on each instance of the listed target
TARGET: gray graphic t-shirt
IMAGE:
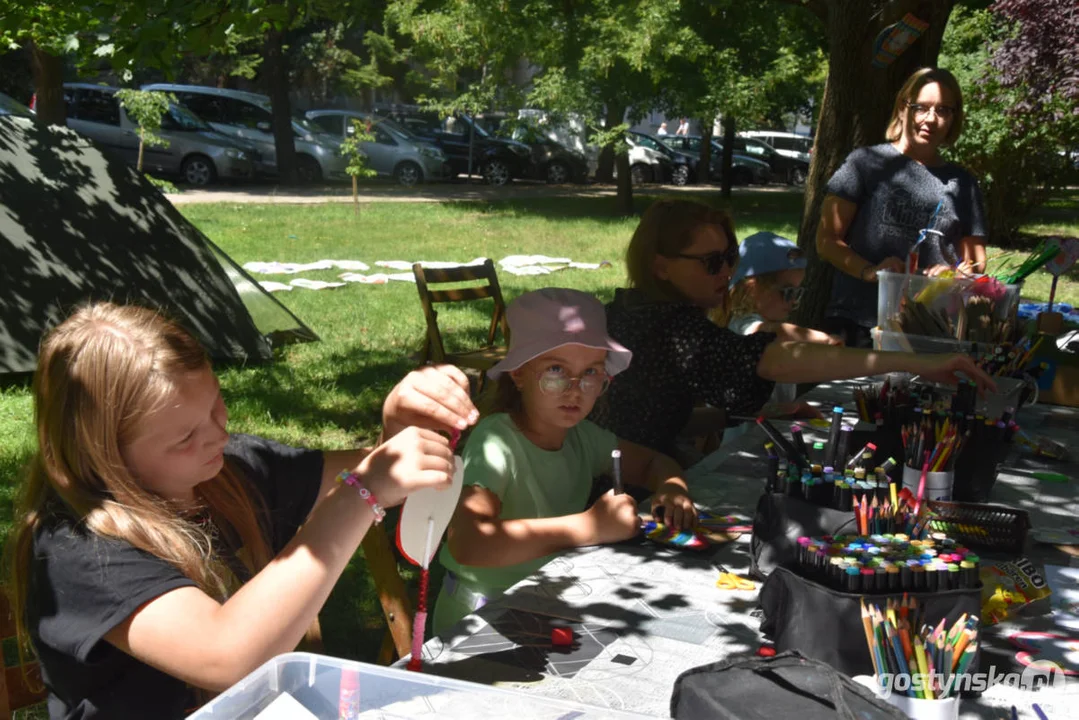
(896, 197)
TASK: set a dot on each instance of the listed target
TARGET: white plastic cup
(914, 708)
(938, 485)
(918, 709)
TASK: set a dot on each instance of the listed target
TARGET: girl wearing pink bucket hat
(528, 467)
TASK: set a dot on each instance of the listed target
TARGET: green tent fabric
(78, 226)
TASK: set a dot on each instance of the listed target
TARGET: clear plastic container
(329, 688)
(901, 342)
(941, 296)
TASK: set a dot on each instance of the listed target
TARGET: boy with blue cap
(764, 289)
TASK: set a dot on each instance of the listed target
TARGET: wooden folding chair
(486, 286)
(392, 594)
(16, 692)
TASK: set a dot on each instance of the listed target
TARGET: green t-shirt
(531, 483)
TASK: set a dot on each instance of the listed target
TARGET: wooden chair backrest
(486, 286)
(15, 692)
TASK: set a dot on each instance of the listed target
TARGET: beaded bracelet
(349, 478)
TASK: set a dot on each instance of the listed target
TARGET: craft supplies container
(314, 684)
(938, 485)
(894, 341)
(993, 528)
(915, 708)
(936, 306)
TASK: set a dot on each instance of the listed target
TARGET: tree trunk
(855, 109)
(280, 106)
(48, 72)
(142, 146)
(703, 169)
(625, 185)
(605, 170)
(728, 154)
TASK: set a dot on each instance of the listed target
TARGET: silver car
(395, 152)
(194, 151)
(247, 115)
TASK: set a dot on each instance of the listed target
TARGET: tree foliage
(1039, 58)
(146, 108)
(1017, 161)
(746, 60)
(352, 148)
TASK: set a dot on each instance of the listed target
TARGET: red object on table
(561, 636)
(766, 651)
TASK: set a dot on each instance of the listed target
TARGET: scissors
(730, 581)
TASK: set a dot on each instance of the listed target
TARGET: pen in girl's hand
(616, 458)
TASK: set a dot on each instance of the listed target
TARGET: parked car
(792, 145)
(11, 106)
(498, 160)
(782, 168)
(646, 165)
(395, 152)
(682, 166)
(247, 116)
(552, 161)
(194, 151)
(745, 170)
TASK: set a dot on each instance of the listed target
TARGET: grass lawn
(328, 394)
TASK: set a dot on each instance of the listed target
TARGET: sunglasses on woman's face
(714, 261)
(792, 294)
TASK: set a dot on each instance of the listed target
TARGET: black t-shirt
(679, 357)
(896, 197)
(82, 585)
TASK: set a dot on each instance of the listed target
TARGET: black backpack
(785, 686)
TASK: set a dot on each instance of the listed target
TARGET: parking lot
(461, 191)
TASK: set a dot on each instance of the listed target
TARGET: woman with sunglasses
(680, 262)
(887, 199)
(528, 466)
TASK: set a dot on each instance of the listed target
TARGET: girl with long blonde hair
(154, 554)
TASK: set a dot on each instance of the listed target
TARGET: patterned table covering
(643, 614)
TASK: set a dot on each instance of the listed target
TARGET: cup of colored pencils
(918, 667)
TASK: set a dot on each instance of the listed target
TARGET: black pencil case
(825, 624)
(778, 523)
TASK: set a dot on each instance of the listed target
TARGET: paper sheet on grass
(287, 268)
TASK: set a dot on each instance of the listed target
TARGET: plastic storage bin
(921, 344)
(298, 683)
(943, 296)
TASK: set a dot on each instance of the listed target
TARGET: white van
(247, 115)
(785, 143)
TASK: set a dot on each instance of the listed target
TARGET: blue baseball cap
(765, 252)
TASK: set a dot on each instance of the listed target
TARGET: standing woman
(679, 263)
(883, 195)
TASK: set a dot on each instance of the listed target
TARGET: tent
(76, 226)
